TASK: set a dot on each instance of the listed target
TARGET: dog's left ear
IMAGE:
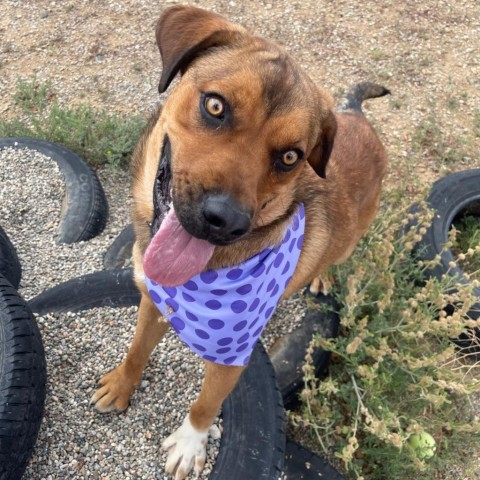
(320, 154)
(184, 33)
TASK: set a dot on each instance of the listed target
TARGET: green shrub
(98, 136)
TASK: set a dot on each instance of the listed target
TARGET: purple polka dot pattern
(240, 326)
(199, 347)
(292, 245)
(219, 292)
(177, 324)
(258, 331)
(209, 276)
(213, 304)
(269, 312)
(258, 271)
(254, 305)
(191, 285)
(243, 338)
(300, 242)
(238, 306)
(186, 297)
(170, 291)
(172, 304)
(216, 324)
(278, 261)
(242, 347)
(202, 334)
(221, 313)
(244, 289)
(191, 316)
(234, 274)
(154, 296)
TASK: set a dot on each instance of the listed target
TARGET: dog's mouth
(162, 189)
(174, 255)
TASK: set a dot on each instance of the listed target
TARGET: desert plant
(466, 244)
(395, 371)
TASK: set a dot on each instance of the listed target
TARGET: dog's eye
(215, 112)
(214, 106)
(288, 159)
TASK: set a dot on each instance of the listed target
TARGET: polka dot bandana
(219, 314)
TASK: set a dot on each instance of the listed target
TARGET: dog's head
(241, 126)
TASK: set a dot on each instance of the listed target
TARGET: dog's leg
(323, 283)
(187, 445)
(117, 386)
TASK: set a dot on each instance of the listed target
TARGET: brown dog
(242, 141)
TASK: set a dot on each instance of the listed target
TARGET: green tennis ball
(423, 444)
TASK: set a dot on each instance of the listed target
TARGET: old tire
(10, 266)
(108, 288)
(120, 251)
(85, 208)
(302, 464)
(450, 198)
(22, 382)
(253, 439)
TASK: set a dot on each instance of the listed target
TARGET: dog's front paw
(114, 393)
(187, 449)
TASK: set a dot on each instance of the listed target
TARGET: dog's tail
(361, 92)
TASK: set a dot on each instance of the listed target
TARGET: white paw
(187, 449)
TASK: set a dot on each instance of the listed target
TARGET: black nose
(225, 217)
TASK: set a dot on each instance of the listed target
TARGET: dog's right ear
(184, 33)
(320, 155)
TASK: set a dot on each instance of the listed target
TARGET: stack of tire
(22, 358)
(22, 369)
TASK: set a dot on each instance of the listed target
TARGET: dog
(247, 161)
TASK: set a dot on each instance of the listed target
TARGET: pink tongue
(174, 256)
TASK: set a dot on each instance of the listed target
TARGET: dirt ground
(426, 52)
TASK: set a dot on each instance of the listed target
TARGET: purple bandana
(219, 314)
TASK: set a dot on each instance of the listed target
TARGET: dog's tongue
(174, 256)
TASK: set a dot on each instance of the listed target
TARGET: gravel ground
(75, 442)
(104, 53)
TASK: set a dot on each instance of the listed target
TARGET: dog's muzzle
(215, 216)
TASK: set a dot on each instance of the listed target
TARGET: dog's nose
(224, 216)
